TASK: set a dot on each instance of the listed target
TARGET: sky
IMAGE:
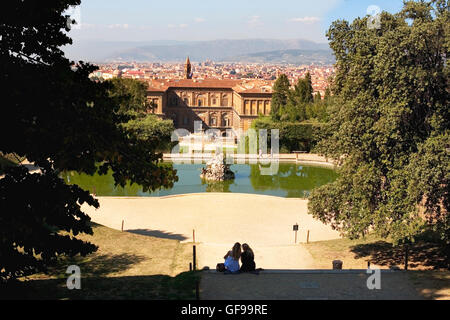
(198, 20)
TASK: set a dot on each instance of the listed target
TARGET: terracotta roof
(240, 86)
(254, 86)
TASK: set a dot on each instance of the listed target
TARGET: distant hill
(249, 50)
(293, 56)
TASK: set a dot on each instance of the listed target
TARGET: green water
(289, 181)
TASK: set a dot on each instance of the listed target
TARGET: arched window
(225, 100)
(213, 120)
(225, 120)
(186, 101)
(199, 102)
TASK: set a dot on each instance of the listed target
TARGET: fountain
(217, 170)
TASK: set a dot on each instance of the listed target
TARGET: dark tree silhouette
(59, 119)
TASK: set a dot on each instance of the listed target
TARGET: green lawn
(356, 253)
(126, 266)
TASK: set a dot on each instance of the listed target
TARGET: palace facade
(219, 104)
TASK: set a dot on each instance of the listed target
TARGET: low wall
(282, 157)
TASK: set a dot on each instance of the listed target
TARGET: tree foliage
(151, 129)
(59, 120)
(131, 93)
(281, 92)
(390, 125)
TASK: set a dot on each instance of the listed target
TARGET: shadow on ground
(158, 234)
(96, 265)
(428, 255)
(152, 287)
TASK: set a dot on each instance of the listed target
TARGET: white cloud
(122, 26)
(255, 21)
(307, 20)
(199, 20)
(183, 25)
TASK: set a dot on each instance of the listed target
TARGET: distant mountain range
(250, 50)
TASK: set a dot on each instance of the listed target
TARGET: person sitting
(247, 259)
(232, 259)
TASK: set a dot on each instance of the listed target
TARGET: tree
(308, 97)
(59, 119)
(151, 129)
(132, 93)
(317, 97)
(281, 92)
(303, 90)
(133, 103)
(327, 95)
(390, 126)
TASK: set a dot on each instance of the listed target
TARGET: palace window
(225, 121)
(199, 102)
(224, 100)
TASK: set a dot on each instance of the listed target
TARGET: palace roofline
(239, 86)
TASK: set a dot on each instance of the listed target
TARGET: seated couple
(246, 255)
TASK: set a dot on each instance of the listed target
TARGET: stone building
(219, 104)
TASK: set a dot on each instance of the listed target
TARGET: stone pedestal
(217, 170)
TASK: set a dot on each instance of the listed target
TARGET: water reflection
(290, 180)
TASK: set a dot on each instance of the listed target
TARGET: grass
(324, 252)
(423, 255)
(126, 266)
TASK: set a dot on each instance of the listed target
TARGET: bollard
(307, 237)
(406, 257)
(194, 258)
(190, 266)
(122, 225)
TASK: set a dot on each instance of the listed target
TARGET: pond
(289, 181)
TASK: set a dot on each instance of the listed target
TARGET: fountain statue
(217, 170)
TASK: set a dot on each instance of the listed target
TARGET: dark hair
(246, 248)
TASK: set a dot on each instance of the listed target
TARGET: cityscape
(224, 160)
(320, 75)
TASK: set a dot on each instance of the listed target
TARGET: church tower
(188, 69)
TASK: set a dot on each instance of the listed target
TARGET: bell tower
(188, 69)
